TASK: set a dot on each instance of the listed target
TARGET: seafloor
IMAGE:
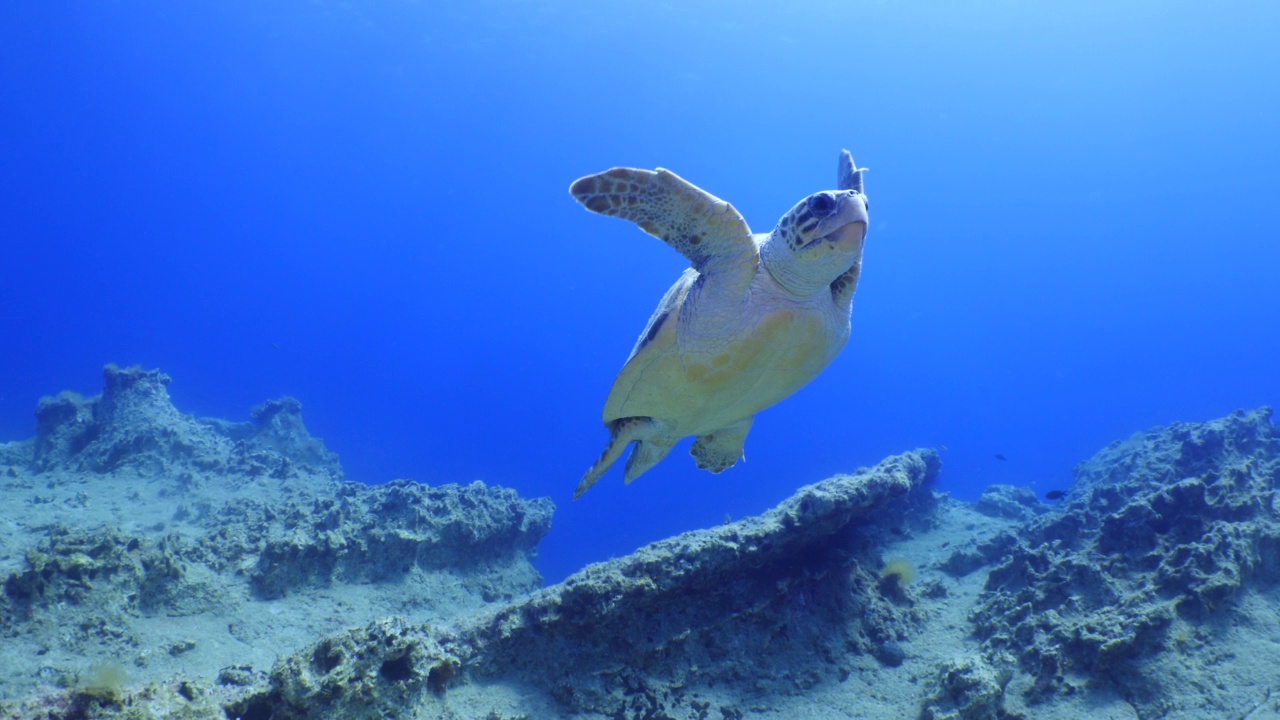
(160, 565)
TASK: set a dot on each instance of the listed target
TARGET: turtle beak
(848, 225)
(849, 236)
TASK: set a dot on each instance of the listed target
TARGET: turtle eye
(822, 205)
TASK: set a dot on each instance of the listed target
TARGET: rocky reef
(782, 600)
(1149, 591)
(141, 529)
(1154, 549)
(134, 425)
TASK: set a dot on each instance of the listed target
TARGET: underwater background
(364, 205)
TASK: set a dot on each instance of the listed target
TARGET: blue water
(1074, 225)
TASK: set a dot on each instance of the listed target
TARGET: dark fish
(1000, 457)
(1055, 494)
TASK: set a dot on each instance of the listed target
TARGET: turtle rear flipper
(718, 451)
(645, 455)
(651, 446)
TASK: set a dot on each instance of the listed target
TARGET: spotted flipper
(849, 177)
(842, 288)
(848, 174)
(700, 226)
(720, 450)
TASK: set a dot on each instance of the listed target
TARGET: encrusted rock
(1158, 571)
(1170, 523)
(967, 688)
(783, 598)
(975, 554)
(142, 537)
(368, 534)
(1011, 503)
(377, 671)
(134, 424)
(279, 428)
(104, 569)
(64, 425)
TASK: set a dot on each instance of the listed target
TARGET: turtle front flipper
(702, 227)
(718, 451)
(843, 287)
(849, 177)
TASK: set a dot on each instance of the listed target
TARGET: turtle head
(818, 239)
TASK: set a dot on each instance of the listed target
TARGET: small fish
(1055, 494)
(275, 346)
(1000, 457)
(943, 448)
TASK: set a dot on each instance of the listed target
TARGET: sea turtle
(753, 320)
